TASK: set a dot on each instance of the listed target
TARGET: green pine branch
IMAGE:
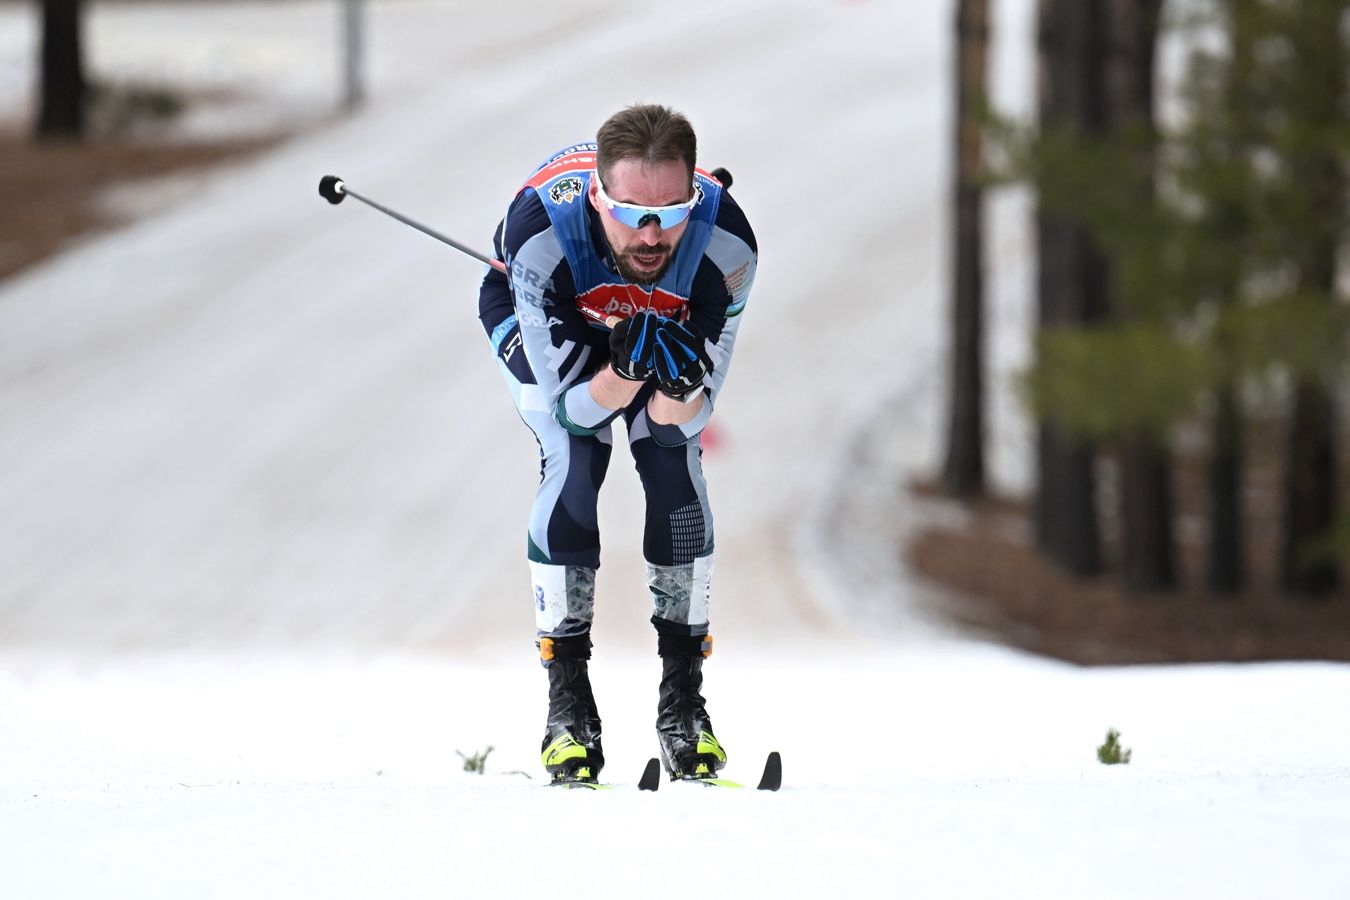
(1112, 753)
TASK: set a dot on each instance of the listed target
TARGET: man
(628, 273)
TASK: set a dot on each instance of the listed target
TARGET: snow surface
(262, 498)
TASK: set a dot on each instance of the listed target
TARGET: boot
(688, 747)
(571, 749)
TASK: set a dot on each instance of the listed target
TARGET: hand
(630, 346)
(680, 361)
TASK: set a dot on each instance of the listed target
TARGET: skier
(629, 269)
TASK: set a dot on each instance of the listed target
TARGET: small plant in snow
(1111, 753)
(477, 762)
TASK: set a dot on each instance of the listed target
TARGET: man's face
(643, 254)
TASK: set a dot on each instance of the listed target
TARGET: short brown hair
(646, 132)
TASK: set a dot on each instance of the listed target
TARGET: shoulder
(540, 273)
(525, 220)
(731, 221)
(731, 255)
(732, 249)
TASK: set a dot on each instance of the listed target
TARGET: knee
(660, 465)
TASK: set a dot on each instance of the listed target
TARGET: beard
(626, 260)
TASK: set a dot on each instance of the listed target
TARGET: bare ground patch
(52, 190)
(1009, 592)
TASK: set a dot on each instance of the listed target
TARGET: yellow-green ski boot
(571, 750)
(689, 749)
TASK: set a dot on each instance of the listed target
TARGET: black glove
(680, 362)
(630, 346)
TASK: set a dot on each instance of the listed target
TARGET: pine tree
(62, 85)
(1070, 280)
(963, 471)
(1222, 277)
(1311, 85)
(1097, 92)
(1146, 507)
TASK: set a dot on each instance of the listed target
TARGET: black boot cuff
(683, 646)
(577, 647)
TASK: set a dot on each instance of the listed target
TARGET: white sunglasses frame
(611, 204)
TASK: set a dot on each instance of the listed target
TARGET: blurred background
(1187, 371)
(1048, 342)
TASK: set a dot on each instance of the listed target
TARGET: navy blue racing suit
(546, 326)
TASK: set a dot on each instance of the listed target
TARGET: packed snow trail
(260, 419)
(262, 507)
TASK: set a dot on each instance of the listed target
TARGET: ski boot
(571, 750)
(689, 749)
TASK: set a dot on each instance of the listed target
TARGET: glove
(680, 362)
(630, 346)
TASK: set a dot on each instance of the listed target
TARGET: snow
(263, 496)
(955, 772)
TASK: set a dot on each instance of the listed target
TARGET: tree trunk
(963, 472)
(1146, 515)
(1066, 505)
(1309, 493)
(1071, 281)
(1226, 570)
(1130, 36)
(1310, 480)
(1071, 285)
(61, 71)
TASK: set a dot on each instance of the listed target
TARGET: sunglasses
(635, 216)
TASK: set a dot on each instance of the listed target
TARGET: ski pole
(335, 190)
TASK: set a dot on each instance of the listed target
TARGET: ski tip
(651, 776)
(772, 779)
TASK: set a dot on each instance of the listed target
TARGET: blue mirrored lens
(637, 218)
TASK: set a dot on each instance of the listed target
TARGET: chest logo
(565, 190)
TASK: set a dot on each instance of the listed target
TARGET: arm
(721, 289)
(662, 410)
(610, 391)
(553, 335)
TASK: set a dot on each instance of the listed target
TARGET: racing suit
(546, 325)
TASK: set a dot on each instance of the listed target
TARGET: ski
(711, 782)
(581, 785)
(651, 776)
(579, 777)
(770, 780)
(650, 780)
